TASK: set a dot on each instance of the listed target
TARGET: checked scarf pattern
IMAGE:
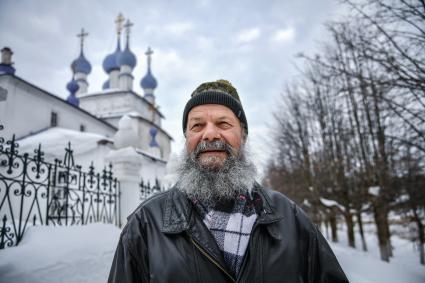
(231, 226)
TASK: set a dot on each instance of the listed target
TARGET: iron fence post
(49, 176)
(19, 235)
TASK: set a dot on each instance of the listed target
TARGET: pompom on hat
(219, 92)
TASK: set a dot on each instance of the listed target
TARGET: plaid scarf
(231, 226)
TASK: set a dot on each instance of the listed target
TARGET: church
(115, 125)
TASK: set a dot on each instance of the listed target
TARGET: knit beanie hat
(219, 92)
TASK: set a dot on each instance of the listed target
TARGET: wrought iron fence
(36, 192)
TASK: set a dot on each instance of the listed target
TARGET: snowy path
(84, 254)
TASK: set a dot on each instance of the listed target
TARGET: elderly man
(217, 224)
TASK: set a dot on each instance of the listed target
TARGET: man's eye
(224, 125)
(196, 126)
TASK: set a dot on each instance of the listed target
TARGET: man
(217, 224)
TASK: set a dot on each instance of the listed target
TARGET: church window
(82, 128)
(53, 119)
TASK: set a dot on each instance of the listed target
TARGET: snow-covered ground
(366, 267)
(61, 254)
(84, 254)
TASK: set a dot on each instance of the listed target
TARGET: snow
(61, 254)
(55, 140)
(84, 254)
(374, 191)
(366, 267)
(330, 203)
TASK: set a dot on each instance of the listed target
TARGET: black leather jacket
(166, 241)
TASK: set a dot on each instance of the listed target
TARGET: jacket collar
(177, 213)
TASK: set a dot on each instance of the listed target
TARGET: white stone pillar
(127, 165)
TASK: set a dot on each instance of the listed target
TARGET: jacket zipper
(211, 259)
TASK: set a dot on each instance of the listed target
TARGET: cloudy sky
(250, 43)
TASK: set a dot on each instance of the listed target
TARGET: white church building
(114, 125)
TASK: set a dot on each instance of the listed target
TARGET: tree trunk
(388, 234)
(421, 237)
(380, 214)
(327, 228)
(350, 229)
(332, 221)
(360, 223)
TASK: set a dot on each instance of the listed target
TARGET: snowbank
(61, 254)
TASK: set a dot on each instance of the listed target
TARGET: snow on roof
(54, 141)
(331, 203)
(374, 191)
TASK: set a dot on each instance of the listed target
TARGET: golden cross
(120, 19)
(82, 35)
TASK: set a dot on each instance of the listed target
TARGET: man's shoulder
(284, 206)
(149, 211)
(154, 203)
(276, 200)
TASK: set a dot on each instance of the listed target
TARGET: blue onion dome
(110, 62)
(153, 132)
(81, 65)
(73, 100)
(105, 85)
(72, 86)
(148, 81)
(127, 58)
(6, 69)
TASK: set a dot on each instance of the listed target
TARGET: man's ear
(244, 134)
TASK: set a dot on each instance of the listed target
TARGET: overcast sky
(250, 43)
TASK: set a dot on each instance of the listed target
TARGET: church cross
(82, 35)
(149, 53)
(120, 19)
(127, 27)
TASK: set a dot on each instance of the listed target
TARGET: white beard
(214, 185)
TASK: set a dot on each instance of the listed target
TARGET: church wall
(112, 104)
(165, 145)
(162, 139)
(28, 109)
(105, 105)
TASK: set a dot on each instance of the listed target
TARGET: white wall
(113, 103)
(28, 109)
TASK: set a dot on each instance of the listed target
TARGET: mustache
(217, 145)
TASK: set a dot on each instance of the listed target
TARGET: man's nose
(211, 133)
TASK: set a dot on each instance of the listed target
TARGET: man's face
(212, 122)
